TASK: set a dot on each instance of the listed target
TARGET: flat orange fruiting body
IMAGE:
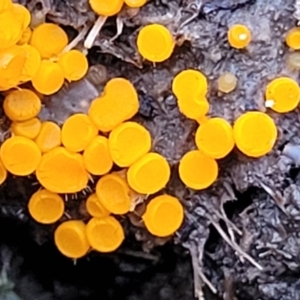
(95, 208)
(193, 107)
(96, 156)
(128, 142)
(3, 173)
(105, 234)
(20, 156)
(29, 129)
(155, 43)
(22, 15)
(164, 215)
(293, 38)
(12, 61)
(190, 88)
(106, 8)
(284, 92)
(22, 105)
(239, 36)
(114, 193)
(118, 103)
(135, 3)
(5, 5)
(49, 39)
(189, 82)
(149, 174)
(49, 78)
(26, 36)
(11, 29)
(32, 63)
(49, 136)
(74, 65)
(255, 133)
(62, 171)
(198, 171)
(70, 239)
(215, 138)
(46, 207)
(77, 132)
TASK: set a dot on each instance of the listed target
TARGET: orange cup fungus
(104, 234)
(29, 129)
(12, 62)
(106, 8)
(155, 43)
(20, 156)
(95, 208)
(189, 82)
(149, 174)
(49, 136)
(62, 171)
(22, 105)
(114, 193)
(5, 5)
(26, 36)
(164, 215)
(239, 36)
(22, 15)
(49, 39)
(74, 65)
(190, 88)
(32, 63)
(128, 142)
(282, 94)
(70, 239)
(77, 132)
(49, 78)
(46, 207)
(293, 38)
(3, 173)
(255, 133)
(118, 103)
(135, 3)
(96, 156)
(10, 28)
(198, 171)
(215, 138)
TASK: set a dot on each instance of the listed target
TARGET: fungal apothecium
(64, 157)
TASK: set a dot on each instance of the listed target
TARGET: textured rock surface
(229, 240)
